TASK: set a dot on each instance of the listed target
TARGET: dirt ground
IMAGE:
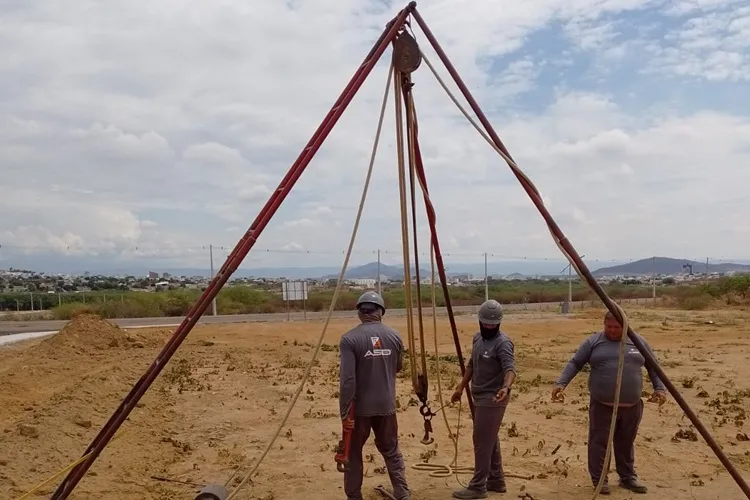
(226, 390)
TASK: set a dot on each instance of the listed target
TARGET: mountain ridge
(669, 266)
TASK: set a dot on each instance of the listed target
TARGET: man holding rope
(491, 371)
(601, 351)
(371, 356)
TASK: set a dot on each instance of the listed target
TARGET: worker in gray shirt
(491, 371)
(371, 356)
(602, 351)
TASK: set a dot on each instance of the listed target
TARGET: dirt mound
(87, 332)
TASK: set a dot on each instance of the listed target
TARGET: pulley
(406, 54)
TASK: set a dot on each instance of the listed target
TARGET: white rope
(339, 283)
(536, 194)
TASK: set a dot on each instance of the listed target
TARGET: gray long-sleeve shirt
(371, 356)
(490, 360)
(602, 355)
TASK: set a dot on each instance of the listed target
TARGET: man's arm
(467, 374)
(400, 360)
(464, 382)
(576, 363)
(347, 377)
(508, 362)
(655, 380)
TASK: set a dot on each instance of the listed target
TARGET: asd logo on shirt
(377, 348)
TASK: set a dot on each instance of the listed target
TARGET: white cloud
(155, 138)
(711, 43)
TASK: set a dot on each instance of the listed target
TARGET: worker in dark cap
(491, 371)
(371, 356)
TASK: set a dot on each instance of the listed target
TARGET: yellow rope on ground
(537, 195)
(339, 284)
(65, 470)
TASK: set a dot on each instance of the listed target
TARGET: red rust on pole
(586, 273)
(431, 219)
(235, 258)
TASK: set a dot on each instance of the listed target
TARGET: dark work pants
(385, 429)
(488, 463)
(626, 429)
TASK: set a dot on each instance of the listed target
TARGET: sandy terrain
(225, 391)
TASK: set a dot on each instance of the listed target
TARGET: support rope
(339, 284)
(434, 469)
(411, 142)
(534, 192)
(397, 82)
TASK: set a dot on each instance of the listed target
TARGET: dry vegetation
(226, 389)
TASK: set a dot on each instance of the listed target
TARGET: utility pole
(211, 255)
(706, 266)
(570, 286)
(653, 279)
(486, 286)
(379, 290)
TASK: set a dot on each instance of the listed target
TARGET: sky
(146, 131)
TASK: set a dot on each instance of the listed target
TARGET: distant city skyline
(529, 267)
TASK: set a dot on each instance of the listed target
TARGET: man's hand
(347, 424)
(558, 393)
(456, 397)
(501, 394)
(659, 397)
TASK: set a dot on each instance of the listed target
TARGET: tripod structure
(407, 58)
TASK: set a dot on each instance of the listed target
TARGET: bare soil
(225, 391)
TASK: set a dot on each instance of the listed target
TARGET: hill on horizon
(370, 271)
(668, 266)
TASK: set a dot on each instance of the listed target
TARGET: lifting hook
(427, 415)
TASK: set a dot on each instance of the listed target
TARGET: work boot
(469, 494)
(633, 485)
(497, 486)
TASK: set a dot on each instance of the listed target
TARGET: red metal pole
(585, 272)
(235, 258)
(431, 219)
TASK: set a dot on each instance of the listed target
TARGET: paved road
(11, 327)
